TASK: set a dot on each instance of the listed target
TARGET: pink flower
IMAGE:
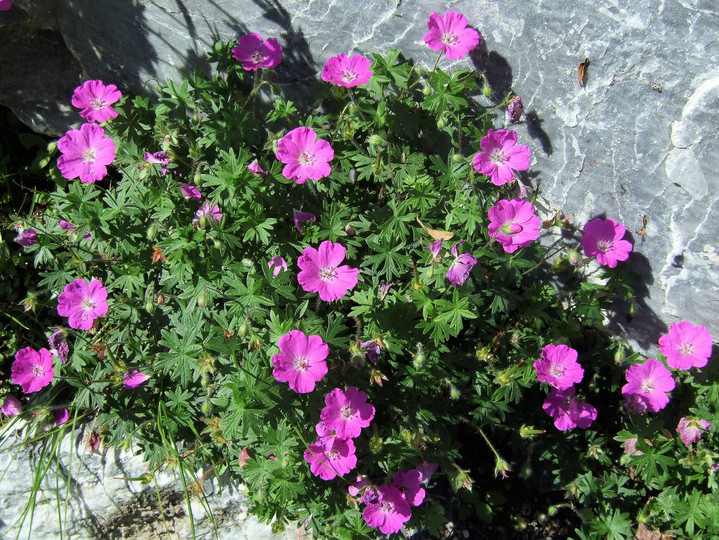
(11, 406)
(134, 378)
(163, 158)
(255, 168)
(461, 266)
(59, 346)
(254, 53)
(635, 403)
(347, 72)
(603, 239)
(325, 434)
(60, 416)
(331, 458)
(649, 381)
(65, 225)
(389, 513)
(515, 109)
(686, 346)
(244, 457)
(32, 369)
(630, 447)
(207, 210)
(5, 5)
(501, 156)
(82, 303)
(191, 192)
(410, 485)
(347, 412)
(558, 367)
(279, 265)
(354, 489)
(27, 237)
(513, 224)
(690, 429)
(94, 98)
(320, 271)
(451, 35)
(568, 412)
(301, 361)
(304, 155)
(85, 153)
(426, 470)
(302, 217)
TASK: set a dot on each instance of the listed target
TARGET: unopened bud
(487, 91)
(203, 221)
(197, 179)
(441, 123)
(205, 380)
(375, 444)
(527, 432)
(458, 158)
(352, 108)
(375, 140)
(217, 243)
(454, 393)
(150, 307)
(202, 300)
(152, 232)
(206, 408)
(427, 91)
(407, 436)
(242, 330)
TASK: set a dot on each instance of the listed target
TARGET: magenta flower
(163, 158)
(279, 265)
(435, 248)
(461, 266)
(94, 98)
(325, 434)
(568, 412)
(451, 35)
(690, 429)
(686, 346)
(191, 192)
(501, 156)
(32, 369)
(410, 485)
(255, 168)
(558, 367)
(302, 217)
(86, 152)
(58, 345)
(27, 237)
(304, 155)
(60, 416)
(355, 488)
(347, 412)
(320, 271)
(347, 72)
(389, 513)
(372, 349)
(82, 303)
(207, 210)
(11, 406)
(5, 5)
(255, 53)
(513, 224)
(331, 458)
(66, 226)
(515, 109)
(134, 378)
(426, 470)
(650, 382)
(301, 361)
(603, 239)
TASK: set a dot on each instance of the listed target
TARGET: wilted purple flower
(690, 429)
(163, 158)
(190, 191)
(27, 237)
(207, 210)
(11, 406)
(134, 378)
(58, 345)
(60, 416)
(461, 266)
(384, 289)
(372, 349)
(279, 265)
(254, 166)
(515, 108)
(302, 217)
(435, 248)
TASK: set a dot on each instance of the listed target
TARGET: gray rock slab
(639, 139)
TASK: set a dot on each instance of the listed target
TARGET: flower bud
(407, 436)
(427, 90)
(152, 232)
(375, 140)
(150, 307)
(483, 353)
(454, 393)
(460, 479)
(441, 123)
(527, 432)
(205, 380)
(487, 91)
(217, 243)
(203, 221)
(202, 300)
(206, 408)
(197, 179)
(375, 444)
(242, 330)
(352, 108)
(458, 158)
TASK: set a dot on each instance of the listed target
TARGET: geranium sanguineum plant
(321, 271)
(603, 239)
(558, 366)
(690, 429)
(305, 156)
(501, 156)
(32, 369)
(95, 100)
(450, 34)
(568, 412)
(460, 267)
(86, 153)
(255, 53)
(331, 458)
(301, 361)
(347, 71)
(82, 303)
(347, 412)
(686, 346)
(513, 224)
(649, 383)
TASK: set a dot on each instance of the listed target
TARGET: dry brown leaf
(437, 235)
(645, 533)
(157, 255)
(643, 230)
(582, 72)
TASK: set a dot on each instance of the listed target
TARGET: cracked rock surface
(638, 139)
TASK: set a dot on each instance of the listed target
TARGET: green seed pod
(375, 444)
(152, 232)
(206, 408)
(376, 140)
(427, 91)
(242, 330)
(487, 91)
(352, 108)
(458, 158)
(150, 307)
(205, 380)
(441, 123)
(203, 221)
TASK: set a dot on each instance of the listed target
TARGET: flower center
(301, 363)
(686, 348)
(328, 273)
(332, 454)
(556, 371)
(97, 103)
(38, 370)
(88, 155)
(512, 228)
(257, 56)
(387, 507)
(450, 38)
(348, 75)
(346, 412)
(647, 385)
(306, 158)
(497, 157)
(604, 245)
(87, 304)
